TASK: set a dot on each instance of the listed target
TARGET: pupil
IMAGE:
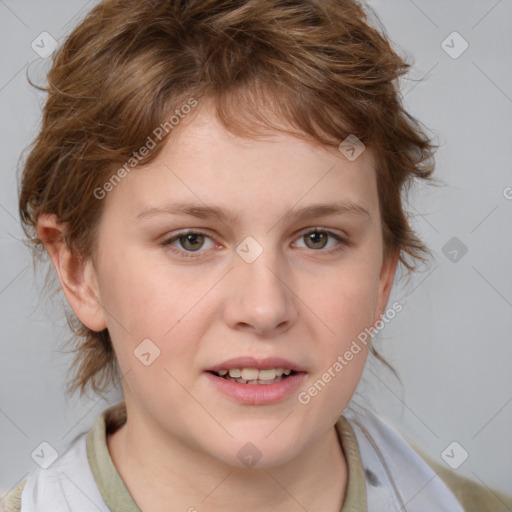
(317, 237)
(191, 240)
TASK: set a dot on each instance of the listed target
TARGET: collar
(117, 496)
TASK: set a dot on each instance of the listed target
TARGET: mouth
(256, 386)
(254, 376)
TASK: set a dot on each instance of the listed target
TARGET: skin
(295, 301)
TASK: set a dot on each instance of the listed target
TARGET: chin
(257, 452)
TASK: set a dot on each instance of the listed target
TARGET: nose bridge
(260, 297)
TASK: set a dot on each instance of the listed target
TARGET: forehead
(203, 162)
(203, 128)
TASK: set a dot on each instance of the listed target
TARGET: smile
(255, 376)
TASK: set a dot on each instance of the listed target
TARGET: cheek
(154, 302)
(345, 304)
(344, 299)
(146, 298)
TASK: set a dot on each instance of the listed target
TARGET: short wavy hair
(325, 71)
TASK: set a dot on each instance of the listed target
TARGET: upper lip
(260, 364)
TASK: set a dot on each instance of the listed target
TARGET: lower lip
(257, 394)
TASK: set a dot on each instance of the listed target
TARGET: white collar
(397, 478)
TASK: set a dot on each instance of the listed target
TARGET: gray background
(451, 343)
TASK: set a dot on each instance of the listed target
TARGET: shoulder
(411, 468)
(74, 458)
(12, 501)
(473, 496)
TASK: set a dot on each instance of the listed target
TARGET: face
(224, 248)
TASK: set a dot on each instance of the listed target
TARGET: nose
(260, 298)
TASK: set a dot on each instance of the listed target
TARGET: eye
(318, 239)
(189, 241)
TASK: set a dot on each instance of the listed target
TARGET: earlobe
(76, 274)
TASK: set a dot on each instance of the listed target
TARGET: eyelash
(197, 254)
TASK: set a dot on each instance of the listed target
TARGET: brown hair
(318, 64)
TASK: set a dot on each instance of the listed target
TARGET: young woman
(218, 185)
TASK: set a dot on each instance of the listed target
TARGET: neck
(315, 480)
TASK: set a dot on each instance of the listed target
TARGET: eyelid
(330, 231)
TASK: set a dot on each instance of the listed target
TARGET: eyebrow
(208, 212)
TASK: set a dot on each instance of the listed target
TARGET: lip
(257, 394)
(260, 364)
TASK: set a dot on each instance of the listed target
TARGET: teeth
(252, 382)
(254, 375)
(269, 374)
(249, 373)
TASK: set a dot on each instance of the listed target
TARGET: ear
(77, 275)
(387, 275)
